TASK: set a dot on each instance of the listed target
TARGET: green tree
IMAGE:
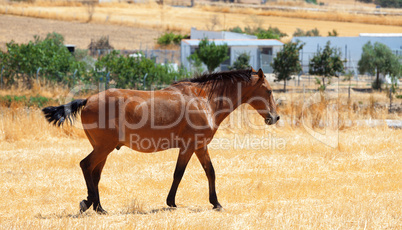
(129, 72)
(210, 54)
(287, 62)
(242, 62)
(21, 62)
(389, 3)
(326, 63)
(378, 59)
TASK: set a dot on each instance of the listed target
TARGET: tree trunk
(284, 85)
(378, 80)
(323, 83)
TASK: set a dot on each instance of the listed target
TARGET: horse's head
(262, 99)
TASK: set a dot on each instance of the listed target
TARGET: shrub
(312, 1)
(236, 29)
(389, 3)
(309, 33)
(129, 72)
(270, 33)
(170, 38)
(22, 61)
(242, 62)
(100, 46)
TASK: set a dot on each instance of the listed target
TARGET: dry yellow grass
(182, 19)
(295, 182)
(336, 15)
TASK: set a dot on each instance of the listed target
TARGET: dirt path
(22, 30)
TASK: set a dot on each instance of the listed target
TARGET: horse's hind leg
(92, 167)
(96, 175)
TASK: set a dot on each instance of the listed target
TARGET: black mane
(221, 82)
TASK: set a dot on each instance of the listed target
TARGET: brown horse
(185, 115)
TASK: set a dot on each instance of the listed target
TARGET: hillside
(130, 26)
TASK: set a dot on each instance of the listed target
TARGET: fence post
(390, 98)
(75, 72)
(1, 77)
(37, 73)
(145, 77)
(107, 79)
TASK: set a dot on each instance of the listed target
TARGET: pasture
(279, 177)
(134, 26)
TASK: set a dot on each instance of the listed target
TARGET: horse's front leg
(206, 163)
(182, 161)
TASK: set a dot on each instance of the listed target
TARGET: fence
(159, 56)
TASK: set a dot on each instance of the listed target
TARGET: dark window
(267, 51)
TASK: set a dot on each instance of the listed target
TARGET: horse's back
(157, 115)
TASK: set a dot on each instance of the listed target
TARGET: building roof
(353, 43)
(238, 42)
(380, 34)
(200, 34)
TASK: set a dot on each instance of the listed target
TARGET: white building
(261, 51)
(351, 47)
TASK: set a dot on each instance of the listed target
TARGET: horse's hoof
(83, 206)
(172, 205)
(101, 211)
(217, 207)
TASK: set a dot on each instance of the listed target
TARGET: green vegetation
(36, 101)
(210, 54)
(309, 33)
(312, 1)
(326, 63)
(334, 33)
(385, 3)
(270, 33)
(242, 62)
(50, 61)
(170, 38)
(129, 72)
(378, 59)
(287, 62)
(21, 62)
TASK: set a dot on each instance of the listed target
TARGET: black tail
(57, 115)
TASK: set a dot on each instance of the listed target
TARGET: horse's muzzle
(272, 119)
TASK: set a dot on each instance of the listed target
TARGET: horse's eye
(269, 91)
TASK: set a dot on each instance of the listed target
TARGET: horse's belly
(148, 143)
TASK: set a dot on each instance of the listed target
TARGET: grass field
(288, 180)
(285, 180)
(130, 26)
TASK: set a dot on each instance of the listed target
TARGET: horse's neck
(222, 106)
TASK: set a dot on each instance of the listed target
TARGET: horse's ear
(261, 74)
(253, 70)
